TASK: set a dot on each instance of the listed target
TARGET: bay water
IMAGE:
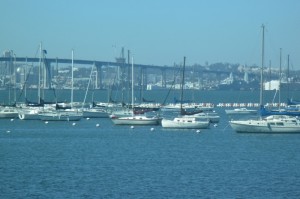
(96, 159)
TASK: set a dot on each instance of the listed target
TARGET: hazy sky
(158, 32)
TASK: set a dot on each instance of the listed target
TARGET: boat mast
(279, 79)
(262, 66)
(182, 83)
(87, 89)
(128, 74)
(15, 80)
(72, 79)
(132, 85)
(25, 79)
(39, 80)
(288, 74)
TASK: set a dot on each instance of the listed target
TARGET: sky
(157, 32)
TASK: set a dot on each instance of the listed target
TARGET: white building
(271, 85)
(229, 80)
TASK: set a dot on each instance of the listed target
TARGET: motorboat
(241, 111)
(269, 124)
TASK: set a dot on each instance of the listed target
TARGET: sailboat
(66, 114)
(10, 111)
(32, 110)
(290, 110)
(212, 116)
(182, 122)
(30, 113)
(134, 119)
(269, 124)
(93, 111)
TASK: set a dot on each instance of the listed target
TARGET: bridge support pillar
(163, 78)
(47, 74)
(144, 78)
(98, 83)
(141, 77)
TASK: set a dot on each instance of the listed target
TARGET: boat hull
(8, 113)
(28, 116)
(95, 114)
(213, 118)
(135, 121)
(184, 124)
(241, 112)
(262, 127)
(60, 117)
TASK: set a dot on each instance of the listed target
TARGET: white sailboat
(270, 124)
(183, 122)
(93, 111)
(33, 112)
(10, 111)
(134, 119)
(30, 113)
(71, 114)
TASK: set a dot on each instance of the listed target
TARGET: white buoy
(8, 131)
(87, 118)
(152, 129)
(198, 131)
(46, 122)
(215, 125)
(97, 125)
(11, 120)
(73, 123)
(132, 127)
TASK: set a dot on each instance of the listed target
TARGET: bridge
(125, 67)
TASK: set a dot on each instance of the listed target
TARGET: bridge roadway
(76, 61)
(99, 64)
